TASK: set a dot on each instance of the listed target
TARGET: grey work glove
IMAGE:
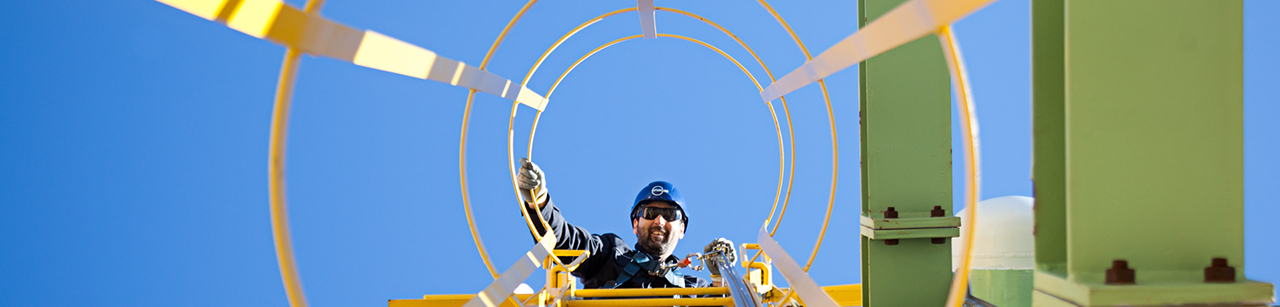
(532, 183)
(725, 247)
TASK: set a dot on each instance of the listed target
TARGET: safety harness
(642, 261)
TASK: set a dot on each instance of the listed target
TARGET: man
(657, 219)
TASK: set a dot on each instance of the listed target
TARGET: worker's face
(658, 235)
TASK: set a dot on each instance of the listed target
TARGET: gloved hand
(726, 249)
(532, 184)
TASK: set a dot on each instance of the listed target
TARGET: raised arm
(567, 235)
(533, 186)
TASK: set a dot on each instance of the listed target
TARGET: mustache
(659, 230)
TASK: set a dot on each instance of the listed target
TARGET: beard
(657, 241)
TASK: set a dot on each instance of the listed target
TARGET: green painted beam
(1001, 287)
(906, 164)
(1156, 291)
(1155, 135)
(1048, 173)
(1151, 148)
(911, 233)
(910, 222)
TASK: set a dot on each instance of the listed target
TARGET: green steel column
(906, 164)
(1048, 146)
(1151, 147)
(1004, 288)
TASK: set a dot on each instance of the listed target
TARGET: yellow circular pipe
(538, 116)
(515, 106)
(786, 110)
(528, 220)
(275, 172)
(462, 147)
(973, 175)
(835, 146)
(709, 46)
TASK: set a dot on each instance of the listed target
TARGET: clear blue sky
(133, 144)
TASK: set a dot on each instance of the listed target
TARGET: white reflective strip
(384, 53)
(647, 25)
(902, 25)
(506, 284)
(324, 37)
(529, 98)
(255, 17)
(809, 291)
(442, 70)
(457, 74)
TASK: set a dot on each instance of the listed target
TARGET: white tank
(1003, 238)
(1004, 259)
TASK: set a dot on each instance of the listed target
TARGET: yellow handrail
(652, 302)
(650, 292)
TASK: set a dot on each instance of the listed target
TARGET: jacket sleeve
(569, 236)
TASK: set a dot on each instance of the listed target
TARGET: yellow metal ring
(538, 116)
(275, 172)
(835, 146)
(973, 175)
(462, 146)
(511, 122)
(606, 45)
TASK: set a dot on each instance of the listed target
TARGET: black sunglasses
(670, 214)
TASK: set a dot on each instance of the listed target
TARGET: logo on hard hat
(658, 190)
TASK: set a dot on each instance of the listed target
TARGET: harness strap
(629, 271)
(642, 261)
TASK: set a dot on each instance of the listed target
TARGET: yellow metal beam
(652, 302)
(286, 25)
(446, 300)
(844, 295)
(649, 292)
(909, 21)
(505, 286)
(457, 300)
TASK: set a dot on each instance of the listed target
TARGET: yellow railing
(559, 290)
(649, 302)
(844, 295)
(650, 292)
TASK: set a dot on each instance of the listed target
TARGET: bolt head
(1219, 272)
(891, 213)
(1120, 273)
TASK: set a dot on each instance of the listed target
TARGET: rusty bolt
(1120, 273)
(1219, 271)
(937, 212)
(891, 214)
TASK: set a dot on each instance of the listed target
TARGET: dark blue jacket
(609, 256)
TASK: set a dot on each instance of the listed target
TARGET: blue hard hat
(660, 191)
